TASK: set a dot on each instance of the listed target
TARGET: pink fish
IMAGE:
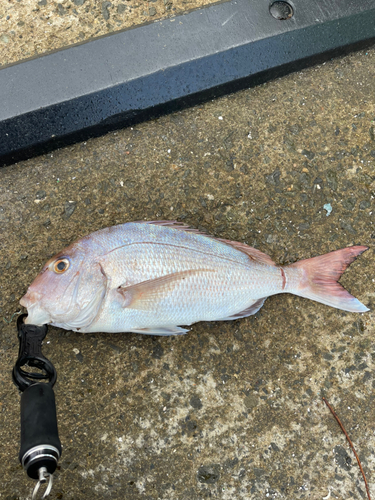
(153, 277)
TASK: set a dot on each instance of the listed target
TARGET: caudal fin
(319, 276)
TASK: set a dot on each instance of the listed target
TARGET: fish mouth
(35, 314)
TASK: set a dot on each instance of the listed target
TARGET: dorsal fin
(174, 224)
(252, 253)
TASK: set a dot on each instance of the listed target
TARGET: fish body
(153, 277)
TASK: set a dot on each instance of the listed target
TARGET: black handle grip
(40, 443)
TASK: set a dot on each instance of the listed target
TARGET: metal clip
(30, 353)
(43, 477)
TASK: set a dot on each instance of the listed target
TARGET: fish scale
(196, 299)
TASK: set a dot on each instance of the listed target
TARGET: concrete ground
(31, 27)
(231, 410)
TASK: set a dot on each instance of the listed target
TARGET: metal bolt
(281, 10)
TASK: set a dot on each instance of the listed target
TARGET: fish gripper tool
(40, 444)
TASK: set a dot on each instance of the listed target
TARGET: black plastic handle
(40, 443)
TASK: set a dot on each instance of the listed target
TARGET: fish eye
(61, 265)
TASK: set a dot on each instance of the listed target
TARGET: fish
(156, 277)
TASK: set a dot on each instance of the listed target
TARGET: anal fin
(249, 311)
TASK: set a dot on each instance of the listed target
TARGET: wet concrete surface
(231, 410)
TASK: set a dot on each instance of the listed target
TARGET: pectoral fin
(142, 295)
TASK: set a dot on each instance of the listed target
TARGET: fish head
(68, 291)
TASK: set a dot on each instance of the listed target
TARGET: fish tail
(317, 279)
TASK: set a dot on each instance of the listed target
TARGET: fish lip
(35, 313)
(23, 301)
(37, 316)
